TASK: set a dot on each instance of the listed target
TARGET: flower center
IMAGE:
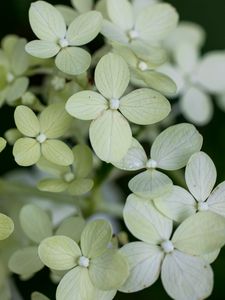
(203, 206)
(63, 43)
(167, 246)
(114, 103)
(41, 138)
(83, 262)
(10, 77)
(143, 66)
(58, 83)
(133, 34)
(68, 177)
(151, 164)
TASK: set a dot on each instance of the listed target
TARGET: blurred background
(209, 14)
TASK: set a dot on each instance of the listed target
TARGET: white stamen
(114, 103)
(10, 77)
(151, 164)
(63, 43)
(203, 206)
(68, 177)
(133, 34)
(41, 138)
(142, 66)
(167, 246)
(83, 262)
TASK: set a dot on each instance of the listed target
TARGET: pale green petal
(42, 49)
(186, 277)
(26, 152)
(73, 60)
(35, 223)
(95, 238)
(84, 28)
(211, 257)
(72, 227)
(26, 121)
(109, 271)
(175, 145)
(145, 222)
(80, 186)
(59, 252)
(150, 184)
(209, 234)
(177, 205)
(144, 106)
(112, 76)
(144, 264)
(135, 158)
(200, 175)
(57, 152)
(216, 200)
(120, 12)
(25, 262)
(68, 13)
(46, 22)
(156, 21)
(83, 160)
(110, 136)
(86, 105)
(6, 226)
(55, 121)
(196, 106)
(2, 144)
(38, 296)
(82, 5)
(8, 44)
(20, 59)
(113, 32)
(52, 185)
(17, 89)
(50, 168)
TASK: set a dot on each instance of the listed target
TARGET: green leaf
(144, 106)
(25, 262)
(26, 152)
(35, 223)
(2, 144)
(26, 121)
(52, 185)
(72, 227)
(95, 238)
(19, 66)
(112, 76)
(86, 105)
(175, 145)
(120, 12)
(84, 28)
(99, 272)
(17, 89)
(46, 22)
(57, 152)
(200, 175)
(73, 60)
(82, 5)
(38, 296)
(83, 160)
(145, 222)
(59, 252)
(80, 186)
(106, 134)
(42, 49)
(6, 226)
(209, 234)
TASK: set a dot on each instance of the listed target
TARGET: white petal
(216, 201)
(113, 32)
(186, 57)
(42, 49)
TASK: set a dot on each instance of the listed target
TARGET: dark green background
(208, 13)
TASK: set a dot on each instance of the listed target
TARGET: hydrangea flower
(170, 151)
(40, 135)
(184, 273)
(88, 276)
(2, 144)
(38, 296)
(56, 40)
(72, 179)
(6, 226)
(110, 132)
(37, 225)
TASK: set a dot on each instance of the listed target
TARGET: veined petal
(46, 22)
(110, 136)
(42, 49)
(113, 32)
(175, 145)
(25, 262)
(144, 265)
(26, 121)
(120, 12)
(52, 185)
(6, 226)
(71, 227)
(150, 184)
(186, 277)
(83, 160)
(26, 152)
(95, 238)
(83, 5)
(209, 234)
(17, 89)
(216, 200)
(35, 223)
(86, 105)
(144, 106)
(112, 76)
(73, 60)
(80, 186)
(57, 152)
(59, 252)
(145, 222)
(68, 13)
(84, 28)
(200, 175)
